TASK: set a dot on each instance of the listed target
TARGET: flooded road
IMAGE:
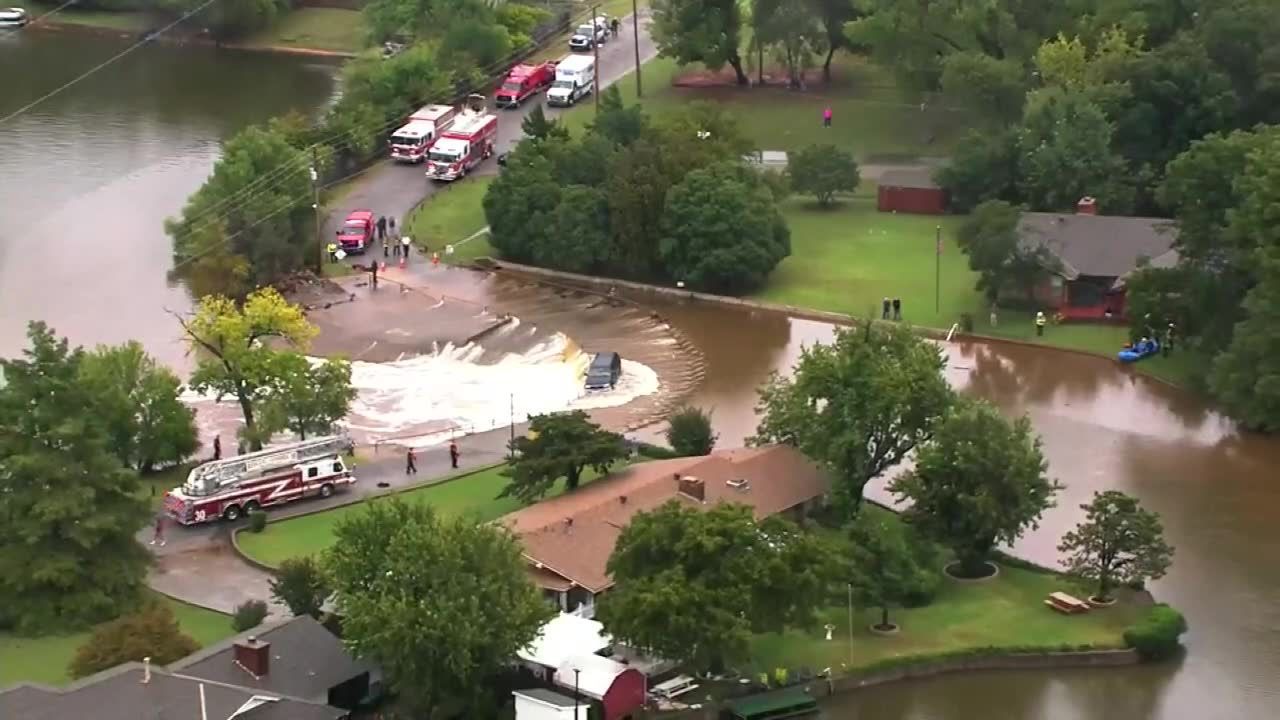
(89, 176)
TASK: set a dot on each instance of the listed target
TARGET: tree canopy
(307, 397)
(299, 584)
(441, 604)
(138, 399)
(858, 405)
(888, 567)
(236, 357)
(560, 445)
(1118, 543)
(979, 481)
(68, 506)
(693, 585)
(701, 31)
(989, 237)
(823, 171)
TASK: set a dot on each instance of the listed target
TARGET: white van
(575, 78)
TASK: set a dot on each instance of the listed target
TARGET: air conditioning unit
(738, 484)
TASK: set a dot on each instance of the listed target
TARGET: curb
(235, 532)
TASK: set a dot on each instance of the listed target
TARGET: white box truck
(575, 78)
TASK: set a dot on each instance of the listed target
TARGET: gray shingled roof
(1100, 245)
(306, 660)
(121, 694)
(908, 178)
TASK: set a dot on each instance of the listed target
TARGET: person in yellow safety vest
(1040, 321)
(333, 252)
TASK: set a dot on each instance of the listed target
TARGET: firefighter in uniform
(333, 252)
(1040, 323)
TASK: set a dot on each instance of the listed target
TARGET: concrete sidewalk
(198, 565)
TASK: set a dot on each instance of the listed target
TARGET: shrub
(151, 632)
(689, 432)
(249, 615)
(656, 452)
(257, 521)
(1156, 636)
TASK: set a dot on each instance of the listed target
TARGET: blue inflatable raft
(1143, 349)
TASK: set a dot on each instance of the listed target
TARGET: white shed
(563, 637)
(541, 704)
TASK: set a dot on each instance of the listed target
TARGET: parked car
(604, 371)
(587, 36)
(13, 17)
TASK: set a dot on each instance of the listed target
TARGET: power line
(93, 70)
(55, 11)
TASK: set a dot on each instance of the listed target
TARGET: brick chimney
(1088, 205)
(694, 488)
(254, 656)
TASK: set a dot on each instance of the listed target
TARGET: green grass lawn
(1008, 611)
(45, 659)
(474, 494)
(872, 117)
(847, 258)
(154, 485)
(331, 29)
(451, 215)
(129, 21)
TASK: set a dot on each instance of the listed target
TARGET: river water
(89, 176)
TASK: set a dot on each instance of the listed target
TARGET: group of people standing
(411, 458)
(389, 235)
(891, 306)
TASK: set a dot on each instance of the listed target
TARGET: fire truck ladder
(232, 468)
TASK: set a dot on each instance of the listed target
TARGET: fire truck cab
(232, 487)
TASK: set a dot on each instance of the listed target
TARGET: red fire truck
(465, 145)
(231, 487)
(524, 81)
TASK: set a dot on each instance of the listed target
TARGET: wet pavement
(198, 565)
(394, 189)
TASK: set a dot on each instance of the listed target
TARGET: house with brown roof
(1093, 256)
(568, 539)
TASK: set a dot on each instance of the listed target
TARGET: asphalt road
(394, 189)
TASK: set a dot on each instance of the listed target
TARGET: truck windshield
(354, 229)
(442, 157)
(402, 141)
(586, 30)
(511, 86)
(563, 84)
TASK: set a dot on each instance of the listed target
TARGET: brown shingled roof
(574, 534)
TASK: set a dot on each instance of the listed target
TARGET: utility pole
(315, 206)
(937, 268)
(635, 35)
(595, 77)
(512, 446)
(850, 623)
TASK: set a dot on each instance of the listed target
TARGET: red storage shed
(618, 688)
(911, 191)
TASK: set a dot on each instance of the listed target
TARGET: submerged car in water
(604, 371)
(13, 17)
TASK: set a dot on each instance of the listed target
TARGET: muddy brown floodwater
(1104, 427)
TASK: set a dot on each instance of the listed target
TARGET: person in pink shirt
(826, 118)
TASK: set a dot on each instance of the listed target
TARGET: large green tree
(621, 124)
(1246, 377)
(138, 401)
(520, 203)
(1065, 146)
(238, 356)
(68, 507)
(989, 237)
(560, 445)
(722, 230)
(442, 604)
(693, 585)
(823, 171)
(991, 89)
(636, 187)
(980, 481)
(305, 397)
(701, 31)
(859, 405)
(689, 432)
(984, 167)
(268, 225)
(887, 565)
(300, 585)
(1118, 543)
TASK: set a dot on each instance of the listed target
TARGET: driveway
(394, 189)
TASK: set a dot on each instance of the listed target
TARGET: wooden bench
(675, 687)
(1066, 604)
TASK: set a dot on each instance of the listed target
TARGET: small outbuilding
(543, 704)
(618, 688)
(564, 636)
(911, 190)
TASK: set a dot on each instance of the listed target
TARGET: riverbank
(311, 32)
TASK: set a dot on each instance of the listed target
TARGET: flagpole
(937, 270)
